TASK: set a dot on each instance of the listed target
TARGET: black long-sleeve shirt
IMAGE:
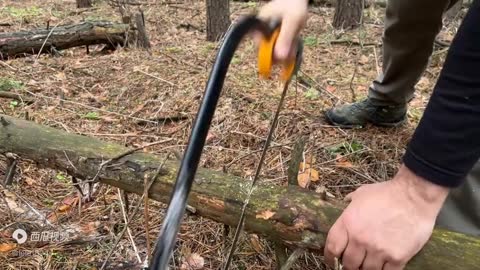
(446, 143)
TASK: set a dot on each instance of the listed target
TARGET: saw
(178, 201)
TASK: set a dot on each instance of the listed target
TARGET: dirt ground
(134, 97)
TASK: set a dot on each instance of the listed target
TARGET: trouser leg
(461, 211)
(410, 30)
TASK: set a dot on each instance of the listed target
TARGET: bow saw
(186, 173)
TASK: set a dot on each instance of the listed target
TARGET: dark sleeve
(446, 143)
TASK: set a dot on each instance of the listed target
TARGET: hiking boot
(360, 113)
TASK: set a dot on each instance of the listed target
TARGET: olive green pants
(410, 30)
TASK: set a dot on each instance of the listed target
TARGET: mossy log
(62, 37)
(291, 215)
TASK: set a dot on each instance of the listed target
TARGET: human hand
(293, 15)
(386, 223)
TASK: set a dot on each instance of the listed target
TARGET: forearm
(446, 143)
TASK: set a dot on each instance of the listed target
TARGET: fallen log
(62, 37)
(290, 215)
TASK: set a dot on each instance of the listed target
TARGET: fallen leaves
(266, 215)
(67, 203)
(363, 60)
(193, 262)
(6, 247)
(306, 173)
(30, 181)
(343, 162)
(64, 208)
(331, 88)
(11, 198)
(307, 176)
(255, 242)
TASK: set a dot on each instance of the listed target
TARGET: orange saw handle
(266, 61)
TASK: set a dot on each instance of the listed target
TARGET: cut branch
(16, 97)
(62, 37)
(291, 215)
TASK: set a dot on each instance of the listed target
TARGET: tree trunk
(348, 14)
(84, 3)
(142, 37)
(290, 215)
(62, 37)
(218, 18)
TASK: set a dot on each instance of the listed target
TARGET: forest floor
(134, 97)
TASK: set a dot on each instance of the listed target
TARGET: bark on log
(291, 215)
(62, 37)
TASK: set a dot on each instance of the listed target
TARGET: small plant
(310, 41)
(23, 13)
(415, 114)
(235, 60)
(13, 104)
(7, 84)
(174, 49)
(61, 177)
(345, 148)
(59, 257)
(91, 116)
(250, 4)
(49, 202)
(312, 94)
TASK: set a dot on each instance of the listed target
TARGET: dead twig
(349, 42)
(134, 212)
(166, 119)
(86, 106)
(10, 213)
(46, 39)
(251, 153)
(292, 259)
(42, 217)
(156, 77)
(129, 232)
(11, 168)
(17, 97)
(146, 217)
(8, 66)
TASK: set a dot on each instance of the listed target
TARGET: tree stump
(218, 18)
(142, 36)
(348, 14)
(84, 3)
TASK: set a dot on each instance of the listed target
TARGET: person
(387, 223)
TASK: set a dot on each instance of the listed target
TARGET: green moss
(312, 94)
(22, 13)
(91, 116)
(311, 41)
(7, 84)
(174, 49)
